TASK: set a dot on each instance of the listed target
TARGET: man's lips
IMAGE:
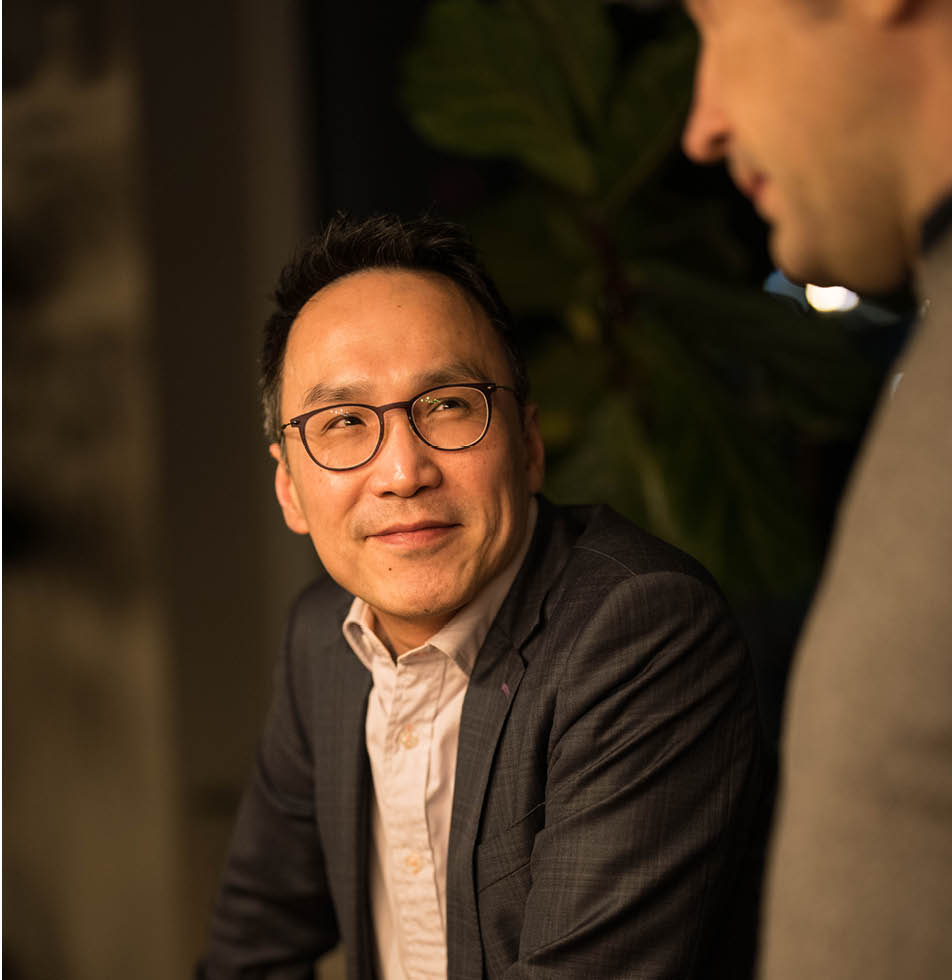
(754, 186)
(751, 184)
(415, 533)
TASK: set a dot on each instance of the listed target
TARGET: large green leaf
(533, 249)
(646, 116)
(651, 431)
(613, 462)
(580, 38)
(568, 379)
(729, 481)
(481, 81)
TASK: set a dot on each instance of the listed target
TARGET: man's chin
(423, 611)
(804, 270)
(794, 261)
(427, 610)
(862, 268)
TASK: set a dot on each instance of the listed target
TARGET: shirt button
(408, 737)
(413, 863)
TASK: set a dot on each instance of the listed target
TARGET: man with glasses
(835, 117)
(506, 738)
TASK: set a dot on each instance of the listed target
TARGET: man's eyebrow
(453, 373)
(349, 392)
(331, 394)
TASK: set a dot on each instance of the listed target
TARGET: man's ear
(535, 451)
(286, 492)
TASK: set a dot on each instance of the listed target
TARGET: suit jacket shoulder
(607, 535)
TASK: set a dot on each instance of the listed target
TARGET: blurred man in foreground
(835, 117)
(507, 738)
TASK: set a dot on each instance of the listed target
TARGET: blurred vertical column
(225, 130)
(92, 838)
(155, 177)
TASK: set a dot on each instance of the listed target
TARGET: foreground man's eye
(338, 422)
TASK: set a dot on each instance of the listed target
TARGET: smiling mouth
(413, 535)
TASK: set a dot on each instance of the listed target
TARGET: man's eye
(447, 404)
(340, 422)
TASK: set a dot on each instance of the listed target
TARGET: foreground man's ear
(286, 492)
(535, 451)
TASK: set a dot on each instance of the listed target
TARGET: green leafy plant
(667, 386)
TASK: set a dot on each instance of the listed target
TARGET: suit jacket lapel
(492, 687)
(495, 679)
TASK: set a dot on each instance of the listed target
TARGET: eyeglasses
(449, 417)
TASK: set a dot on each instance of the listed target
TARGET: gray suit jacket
(861, 880)
(610, 788)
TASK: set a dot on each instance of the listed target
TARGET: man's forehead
(385, 295)
(384, 301)
(364, 336)
(376, 284)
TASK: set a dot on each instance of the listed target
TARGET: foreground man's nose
(706, 132)
(404, 463)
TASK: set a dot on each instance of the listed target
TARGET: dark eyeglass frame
(486, 388)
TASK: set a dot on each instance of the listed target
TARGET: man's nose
(404, 463)
(706, 132)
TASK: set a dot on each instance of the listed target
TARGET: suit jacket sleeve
(654, 786)
(274, 914)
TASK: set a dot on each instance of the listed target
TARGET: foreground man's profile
(507, 738)
(835, 116)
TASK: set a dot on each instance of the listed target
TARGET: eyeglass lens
(446, 418)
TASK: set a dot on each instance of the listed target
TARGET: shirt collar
(461, 638)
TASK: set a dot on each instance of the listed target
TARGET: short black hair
(348, 245)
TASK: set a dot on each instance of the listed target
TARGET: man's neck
(400, 636)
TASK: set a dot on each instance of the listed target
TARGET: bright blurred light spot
(831, 299)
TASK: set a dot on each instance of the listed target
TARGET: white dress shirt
(412, 731)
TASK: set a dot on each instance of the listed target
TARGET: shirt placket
(409, 738)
